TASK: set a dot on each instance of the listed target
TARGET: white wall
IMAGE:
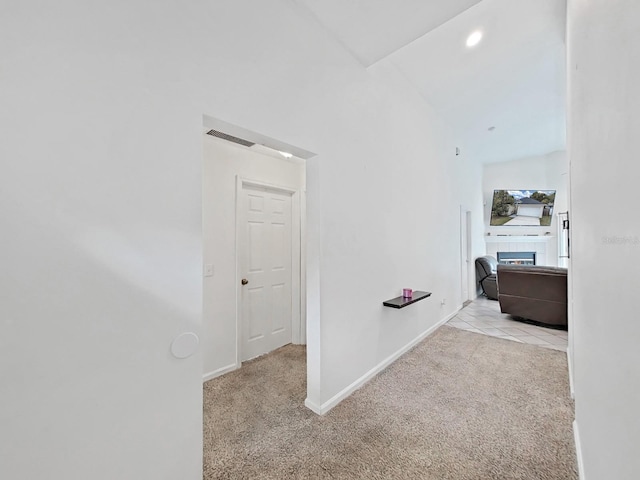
(223, 161)
(390, 218)
(101, 245)
(547, 172)
(101, 116)
(604, 75)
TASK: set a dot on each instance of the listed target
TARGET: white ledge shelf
(401, 302)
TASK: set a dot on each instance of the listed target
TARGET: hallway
(458, 406)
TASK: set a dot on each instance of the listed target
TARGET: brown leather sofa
(534, 293)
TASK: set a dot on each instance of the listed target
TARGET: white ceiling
(372, 29)
(514, 80)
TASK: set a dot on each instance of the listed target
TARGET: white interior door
(265, 261)
(471, 269)
(465, 252)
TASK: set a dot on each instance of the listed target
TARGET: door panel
(256, 314)
(278, 315)
(255, 238)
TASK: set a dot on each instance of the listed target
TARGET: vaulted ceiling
(513, 80)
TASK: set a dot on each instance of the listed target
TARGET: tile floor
(483, 316)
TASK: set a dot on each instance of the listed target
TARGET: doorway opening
(253, 216)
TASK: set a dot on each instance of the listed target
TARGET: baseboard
(313, 407)
(471, 300)
(570, 364)
(344, 393)
(220, 371)
(576, 437)
(447, 318)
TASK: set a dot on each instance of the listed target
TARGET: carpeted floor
(458, 406)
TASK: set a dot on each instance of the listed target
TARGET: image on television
(528, 208)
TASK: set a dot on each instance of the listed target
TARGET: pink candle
(407, 292)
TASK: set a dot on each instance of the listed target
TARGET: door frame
(298, 259)
(466, 250)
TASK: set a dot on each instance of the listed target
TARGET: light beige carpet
(458, 406)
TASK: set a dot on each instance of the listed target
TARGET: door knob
(244, 281)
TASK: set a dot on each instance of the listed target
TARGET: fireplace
(517, 258)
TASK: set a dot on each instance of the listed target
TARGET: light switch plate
(208, 270)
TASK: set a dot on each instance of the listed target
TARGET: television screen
(522, 208)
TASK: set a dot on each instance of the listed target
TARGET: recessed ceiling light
(474, 38)
(286, 154)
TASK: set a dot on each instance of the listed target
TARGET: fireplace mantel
(517, 238)
(545, 249)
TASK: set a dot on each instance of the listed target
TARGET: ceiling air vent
(230, 138)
